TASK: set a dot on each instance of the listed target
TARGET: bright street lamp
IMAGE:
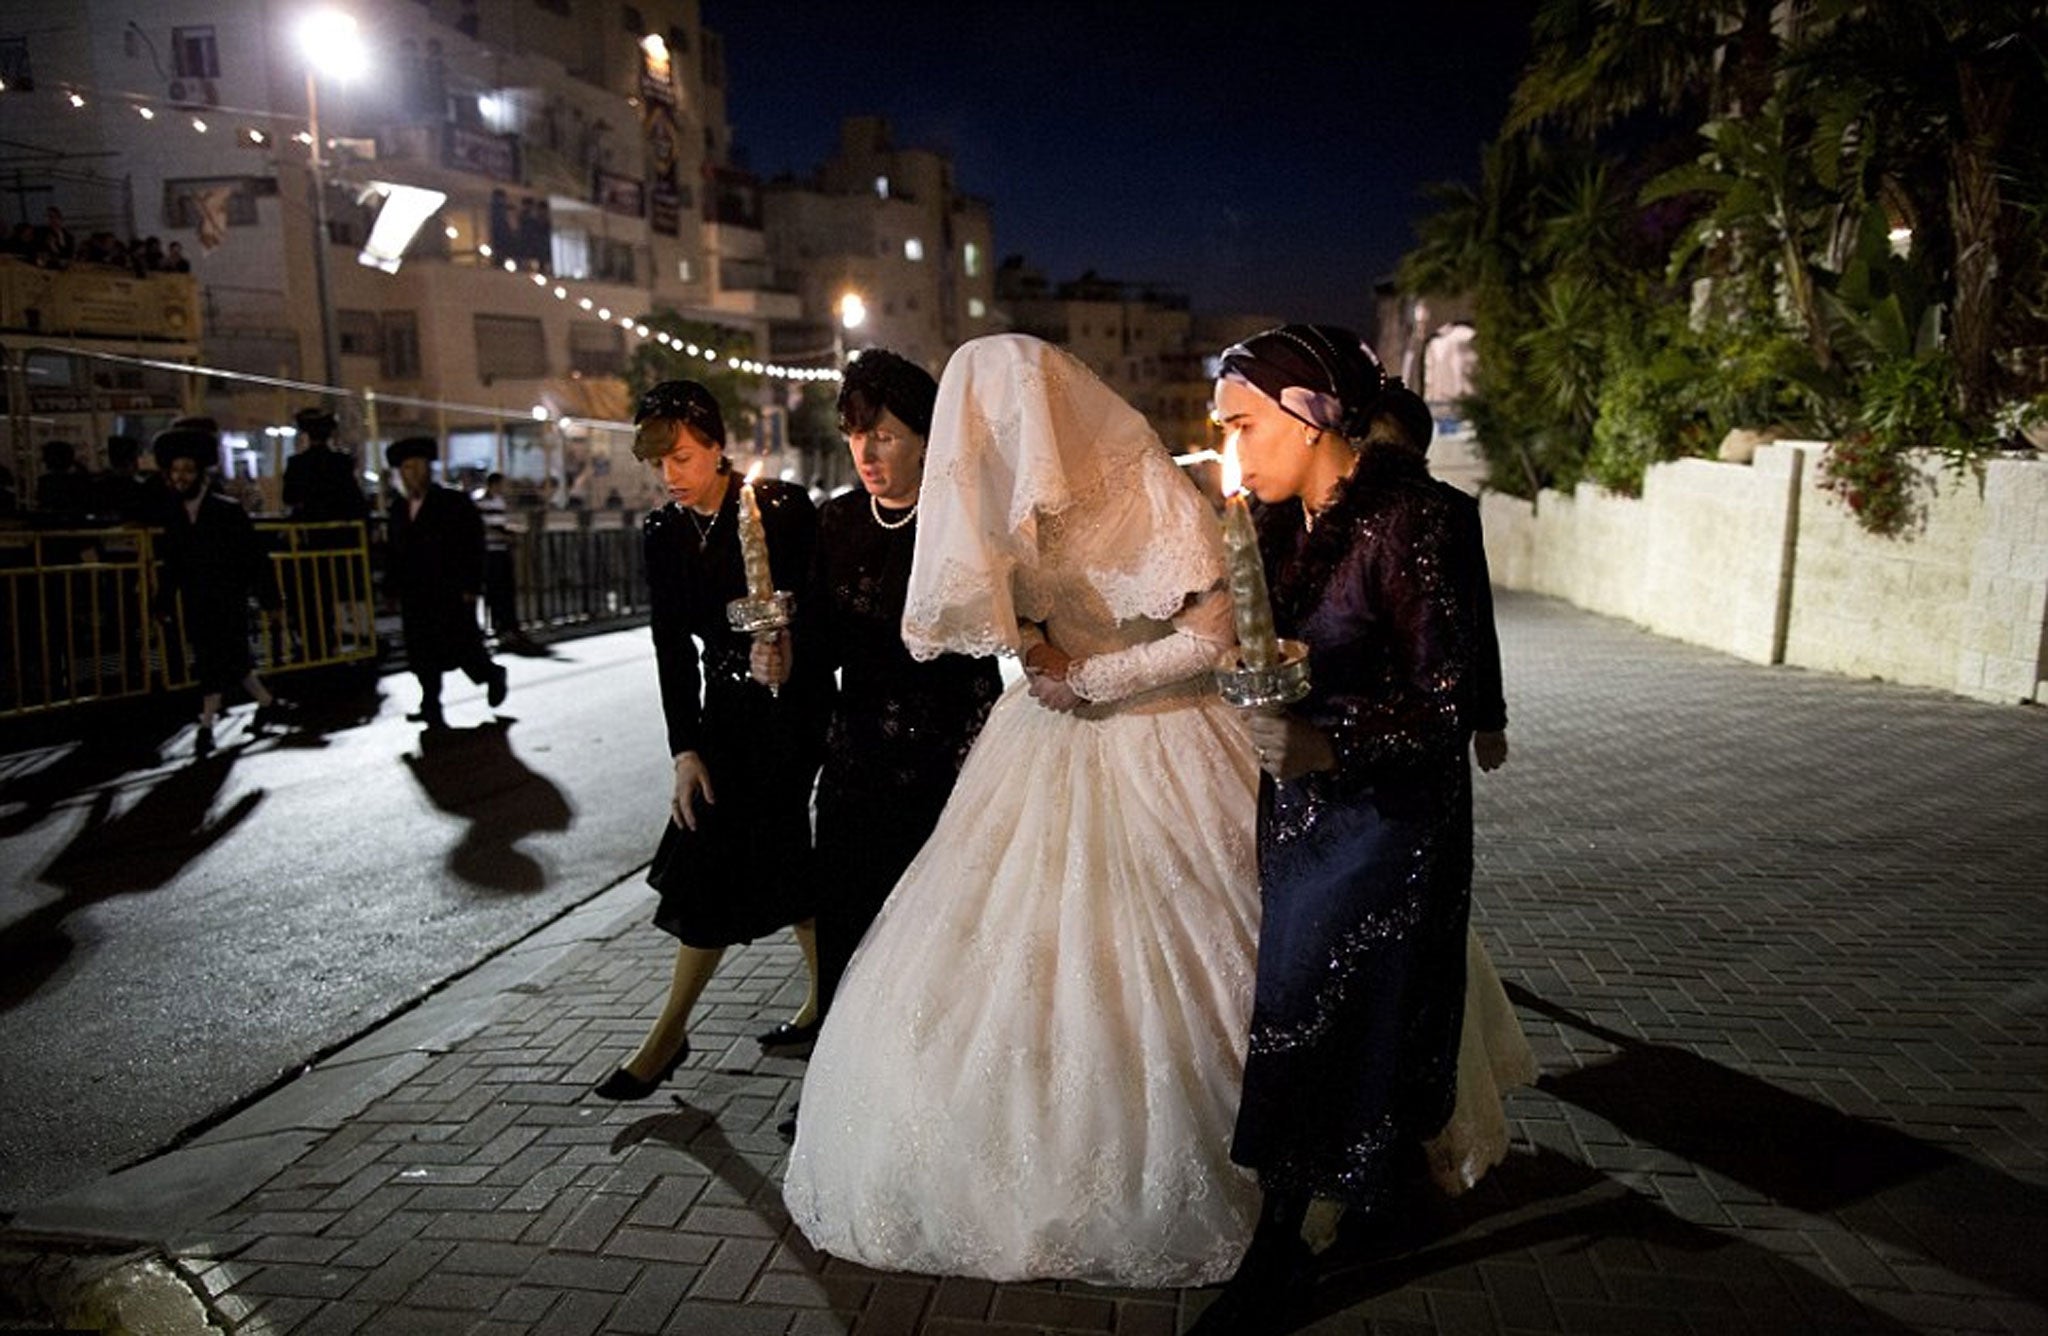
(330, 42)
(851, 313)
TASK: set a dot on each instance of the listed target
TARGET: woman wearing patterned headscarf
(1365, 821)
(1032, 1064)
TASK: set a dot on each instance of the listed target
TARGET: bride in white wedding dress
(1032, 1067)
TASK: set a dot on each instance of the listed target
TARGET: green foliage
(1607, 342)
(653, 362)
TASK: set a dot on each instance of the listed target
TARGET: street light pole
(330, 341)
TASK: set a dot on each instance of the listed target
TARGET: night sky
(1265, 157)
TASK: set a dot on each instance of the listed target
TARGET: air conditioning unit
(193, 92)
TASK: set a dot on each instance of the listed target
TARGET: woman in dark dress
(900, 728)
(1365, 821)
(734, 862)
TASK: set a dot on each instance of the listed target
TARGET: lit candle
(1248, 599)
(754, 541)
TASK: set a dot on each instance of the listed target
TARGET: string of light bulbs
(152, 109)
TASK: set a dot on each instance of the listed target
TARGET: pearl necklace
(875, 508)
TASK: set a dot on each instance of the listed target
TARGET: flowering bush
(1873, 481)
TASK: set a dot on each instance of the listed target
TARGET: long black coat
(320, 484)
(433, 560)
(212, 565)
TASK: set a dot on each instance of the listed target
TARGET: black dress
(899, 729)
(1365, 870)
(745, 870)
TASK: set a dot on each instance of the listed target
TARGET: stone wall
(1758, 561)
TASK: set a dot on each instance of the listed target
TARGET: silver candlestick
(1264, 688)
(762, 617)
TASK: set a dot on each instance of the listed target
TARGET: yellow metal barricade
(329, 617)
(76, 613)
(76, 607)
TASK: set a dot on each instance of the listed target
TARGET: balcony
(86, 302)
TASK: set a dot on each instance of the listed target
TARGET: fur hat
(198, 444)
(315, 421)
(411, 447)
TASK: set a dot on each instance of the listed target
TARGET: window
(615, 261)
(233, 197)
(970, 259)
(597, 350)
(401, 331)
(357, 333)
(14, 67)
(630, 16)
(678, 37)
(881, 187)
(913, 249)
(571, 253)
(976, 308)
(685, 271)
(193, 53)
(510, 346)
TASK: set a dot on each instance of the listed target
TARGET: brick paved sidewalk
(1779, 939)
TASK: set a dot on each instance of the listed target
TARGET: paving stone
(731, 1271)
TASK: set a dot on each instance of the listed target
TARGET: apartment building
(883, 249)
(581, 146)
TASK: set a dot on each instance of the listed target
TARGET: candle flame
(1233, 475)
(754, 473)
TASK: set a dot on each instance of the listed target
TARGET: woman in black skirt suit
(734, 862)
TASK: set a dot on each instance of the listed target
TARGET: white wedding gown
(1031, 1069)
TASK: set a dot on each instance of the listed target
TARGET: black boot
(1265, 1296)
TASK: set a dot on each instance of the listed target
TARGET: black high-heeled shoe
(787, 1036)
(623, 1085)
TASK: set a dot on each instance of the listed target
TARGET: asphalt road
(178, 933)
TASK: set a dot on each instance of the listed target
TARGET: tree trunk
(1973, 206)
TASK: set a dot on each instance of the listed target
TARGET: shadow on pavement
(1883, 1183)
(1655, 1272)
(695, 1133)
(97, 760)
(474, 774)
(139, 849)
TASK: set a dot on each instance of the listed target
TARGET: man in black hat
(212, 563)
(320, 487)
(319, 481)
(435, 562)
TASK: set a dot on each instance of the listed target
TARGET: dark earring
(724, 464)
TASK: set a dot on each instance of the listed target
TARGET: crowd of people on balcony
(55, 246)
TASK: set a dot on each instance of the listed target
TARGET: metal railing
(76, 606)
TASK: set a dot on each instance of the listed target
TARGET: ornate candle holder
(1264, 688)
(763, 616)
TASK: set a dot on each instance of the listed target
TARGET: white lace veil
(1023, 433)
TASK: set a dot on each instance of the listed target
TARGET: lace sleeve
(1201, 631)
